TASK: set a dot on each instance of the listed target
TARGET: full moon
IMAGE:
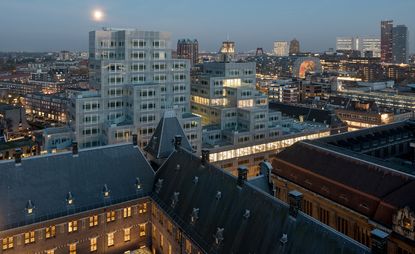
(97, 15)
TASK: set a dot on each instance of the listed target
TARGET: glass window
(72, 248)
(110, 216)
(127, 212)
(72, 226)
(93, 244)
(50, 232)
(127, 234)
(29, 237)
(110, 239)
(93, 221)
(7, 243)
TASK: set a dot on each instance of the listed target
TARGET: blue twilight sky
(46, 25)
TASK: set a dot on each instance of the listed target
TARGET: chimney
(295, 199)
(75, 149)
(379, 241)
(177, 141)
(135, 140)
(18, 156)
(242, 175)
(205, 156)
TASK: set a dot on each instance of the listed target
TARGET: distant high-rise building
(386, 40)
(294, 47)
(400, 44)
(281, 48)
(345, 43)
(227, 51)
(369, 44)
(188, 49)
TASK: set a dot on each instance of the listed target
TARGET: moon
(97, 15)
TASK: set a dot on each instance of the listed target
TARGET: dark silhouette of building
(386, 40)
(188, 49)
(294, 47)
(400, 51)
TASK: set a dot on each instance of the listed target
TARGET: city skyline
(51, 29)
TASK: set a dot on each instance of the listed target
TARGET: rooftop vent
(30, 207)
(105, 191)
(75, 149)
(18, 156)
(195, 180)
(137, 183)
(135, 140)
(175, 199)
(159, 184)
(195, 215)
(295, 199)
(284, 239)
(379, 241)
(218, 195)
(69, 198)
(218, 236)
(247, 214)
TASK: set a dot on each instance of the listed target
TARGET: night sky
(51, 25)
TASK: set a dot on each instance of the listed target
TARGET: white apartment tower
(135, 79)
(281, 48)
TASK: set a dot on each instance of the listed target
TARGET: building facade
(294, 47)
(386, 40)
(400, 46)
(281, 48)
(188, 49)
(135, 80)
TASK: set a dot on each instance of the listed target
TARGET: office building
(294, 47)
(135, 80)
(281, 48)
(386, 40)
(345, 43)
(90, 210)
(362, 44)
(400, 50)
(355, 182)
(188, 49)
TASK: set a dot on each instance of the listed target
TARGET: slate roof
(260, 232)
(162, 142)
(46, 181)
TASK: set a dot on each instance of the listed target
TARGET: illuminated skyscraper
(294, 47)
(386, 40)
(400, 44)
(281, 48)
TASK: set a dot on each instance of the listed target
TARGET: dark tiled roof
(161, 143)
(46, 181)
(260, 232)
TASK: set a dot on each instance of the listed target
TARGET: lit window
(161, 241)
(110, 239)
(7, 243)
(170, 251)
(50, 232)
(72, 226)
(143, 208)
(72, 248)
(93, 244)
(110, 216)
(127, 234)
(142, 229)
(52, 251)
(127, 212)
(188, 246)
(29, 237)
(93, 221)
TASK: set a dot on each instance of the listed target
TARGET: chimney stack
(75, 149)
(18, 156)
(379, 241)
(242, 175)
(295, 199)
(205, 156)
(177, 141)
(135, 140)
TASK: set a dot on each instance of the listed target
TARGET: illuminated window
(142, 229)
(50, 232)
(127, 212)
(110, 239)
(170, 249)
(93, 244)
(93, 221)
(29, 237)
(161, 241)
(7, 243)
(72, 248)
(72, 226)
(110, 216)
(52, 251)
(143, 208)
(127, 234)
(188, 246)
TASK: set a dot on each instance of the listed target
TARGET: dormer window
(218, 236)
(195, 215)
(175, 199)
(30, 207)
(284, 239)
(69, 198)
(106, 191)
(137, 183)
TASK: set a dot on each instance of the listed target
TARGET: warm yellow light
(98, 15)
